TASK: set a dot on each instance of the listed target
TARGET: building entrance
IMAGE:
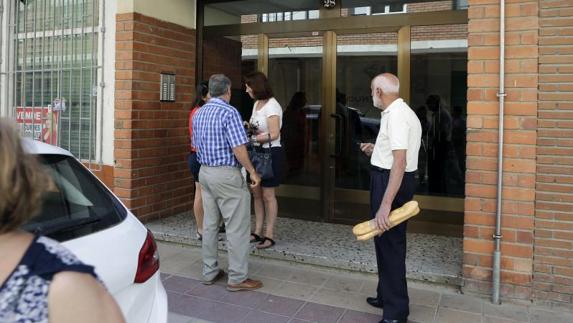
(320, 63)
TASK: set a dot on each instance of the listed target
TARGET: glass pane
(295, 75)
(360, 57)
(439, 87)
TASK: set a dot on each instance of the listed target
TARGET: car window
(76, 205)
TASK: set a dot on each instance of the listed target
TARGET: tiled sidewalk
(297, 293)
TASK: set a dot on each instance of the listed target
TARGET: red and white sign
(40, 123)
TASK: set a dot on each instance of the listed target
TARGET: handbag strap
(270, 142)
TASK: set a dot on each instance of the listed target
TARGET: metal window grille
(52, 70)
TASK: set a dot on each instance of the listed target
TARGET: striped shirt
(217, 129)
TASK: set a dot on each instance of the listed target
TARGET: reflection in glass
(357, 120)
(295, 75)
(439, 86)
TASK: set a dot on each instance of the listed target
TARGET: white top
(259, 118)
(400, 129)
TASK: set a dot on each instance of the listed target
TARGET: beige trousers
(226, 192)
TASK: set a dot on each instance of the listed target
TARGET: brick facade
(518, 209)
(151, 141)
(553, 252)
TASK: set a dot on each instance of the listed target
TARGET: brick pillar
(151, 139)
(519, 149)
(553, 254)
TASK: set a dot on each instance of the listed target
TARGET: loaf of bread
(368, 229)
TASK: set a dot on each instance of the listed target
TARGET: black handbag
(262, 160)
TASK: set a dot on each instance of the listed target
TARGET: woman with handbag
(267, 120)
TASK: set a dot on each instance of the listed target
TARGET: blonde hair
(22, 182)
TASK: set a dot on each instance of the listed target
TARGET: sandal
(261, 245)
(199, 236)
(255, 238)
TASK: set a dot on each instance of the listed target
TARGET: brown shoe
(248, 284)
(220, 275)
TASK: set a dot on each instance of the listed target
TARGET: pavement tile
(352, 301)
(359, 317)
(280, 305)
(347, 284)
(211, 310)
(462, 303)
(248, 299)
(274, 271)
(168, 249)
(421, 313)
(319, 313)
(180, 284)
(452, 316)
(424, 297)
(213, 292)
(296, 291)
(506, 311)
(308, 277)
(262, 317)
(539, 315)
(269, 285)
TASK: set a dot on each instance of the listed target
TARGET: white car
(83, 214)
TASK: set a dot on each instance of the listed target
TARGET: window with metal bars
(53, 72)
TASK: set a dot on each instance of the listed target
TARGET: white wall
(108, 91)
(181, 12)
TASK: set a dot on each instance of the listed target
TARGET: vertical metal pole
(24, 62)
(15, 32)
(404, 52)
(52, 66)
(43, 42)
(263, 53)
(327, 137)
(92, 83)
(33, 57)
(61, 67)
(70, 46)
(82, 39)
(102, 84)
(497, 236)
(4, 71)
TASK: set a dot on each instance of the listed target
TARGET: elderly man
(394, 161)
(220, 139)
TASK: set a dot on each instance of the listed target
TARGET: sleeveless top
(24, 294)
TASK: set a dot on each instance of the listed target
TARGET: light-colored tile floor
(345, 291)
(429, 257)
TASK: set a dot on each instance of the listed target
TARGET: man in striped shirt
(220, 140)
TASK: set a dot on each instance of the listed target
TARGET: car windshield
(76, 205)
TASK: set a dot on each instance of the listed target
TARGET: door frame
(331, 26)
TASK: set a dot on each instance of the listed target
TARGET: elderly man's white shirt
(400, 129)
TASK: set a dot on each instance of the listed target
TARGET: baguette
(369, 229)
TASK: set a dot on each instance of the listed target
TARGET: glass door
(294, 71)
(359, 58)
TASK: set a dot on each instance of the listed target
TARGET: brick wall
(151, 140)
(553, 253)
(519, 178)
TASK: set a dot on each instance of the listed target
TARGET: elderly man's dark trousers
(391, 246)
